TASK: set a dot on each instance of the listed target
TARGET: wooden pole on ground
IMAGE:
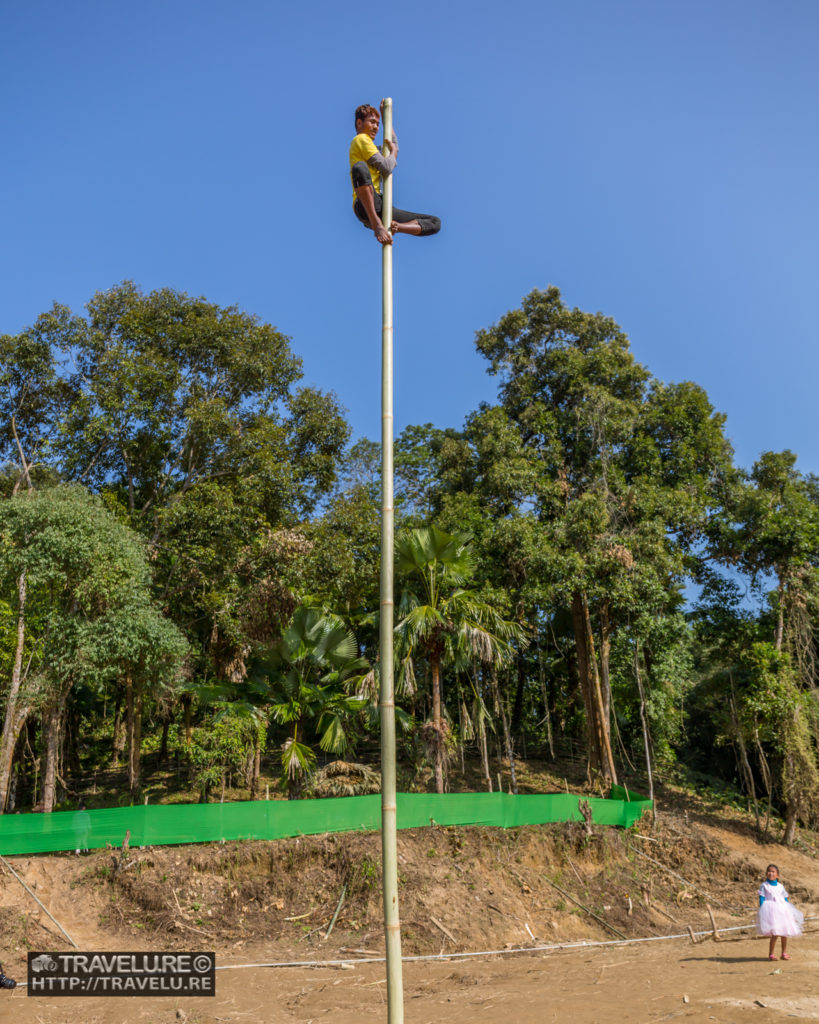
(389, 810)
(37, 900)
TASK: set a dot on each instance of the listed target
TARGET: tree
(83, 610)
(769, 528)
(441, 621)
(32, 395)
(308, 676)
(186, 415)
(617, 469)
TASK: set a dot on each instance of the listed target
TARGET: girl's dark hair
(774, 866)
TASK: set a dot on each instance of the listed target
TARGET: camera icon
(44, 962)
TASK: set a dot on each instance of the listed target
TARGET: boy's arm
(385, 164)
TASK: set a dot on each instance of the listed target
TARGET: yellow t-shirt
(362, 148)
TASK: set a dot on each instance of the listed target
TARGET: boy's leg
(405, 222)
(367, 206)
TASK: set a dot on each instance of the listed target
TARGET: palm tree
(442, 621)
(310, 673)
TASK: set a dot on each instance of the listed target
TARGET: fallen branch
(448, 934)
(679, 878)
(301, 917)
(591, 913)
(53, 918)
(665, 913)
(576, 872)
(498, 910)
(176, 901)
(190, 928)
(338, 911)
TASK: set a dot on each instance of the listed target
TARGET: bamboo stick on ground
(448, 934)
(338, 911)
(591, 913)
(53, 918)
(679, 878)
(717, 935)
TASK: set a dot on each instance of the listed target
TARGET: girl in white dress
(776, 917)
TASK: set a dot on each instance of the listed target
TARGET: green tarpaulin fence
(277, 819)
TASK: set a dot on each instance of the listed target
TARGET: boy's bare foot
(411, 227)
(383, 236)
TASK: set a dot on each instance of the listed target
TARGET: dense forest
(189, 558)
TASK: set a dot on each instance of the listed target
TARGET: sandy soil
(724, 982)
(727, 981)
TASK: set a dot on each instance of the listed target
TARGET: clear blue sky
(657, 161)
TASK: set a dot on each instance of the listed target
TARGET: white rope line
(488, 952)
(484, 952)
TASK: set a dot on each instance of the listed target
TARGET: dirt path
(724, 982)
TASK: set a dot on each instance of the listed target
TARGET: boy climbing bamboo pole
(368, 168)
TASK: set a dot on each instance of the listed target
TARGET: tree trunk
(646, 737)
(133, 730)
(119, 729)
(767, 777)
(163, 744)
(780, 615)
(517, 707)
(510, 753)
(604, 727)
(13, 722)
(594, 762)
(51, 737)
(187, 699)
(12, 797)
(256, 766)
(605, 657)
(791, 803)
(547, 715)
(485, 756)
(71, 741)
(745, 763)
(437, 723)
(295, 783)
(600, 759)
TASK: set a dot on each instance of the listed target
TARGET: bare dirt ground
(461, 890)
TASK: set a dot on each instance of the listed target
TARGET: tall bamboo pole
(389, 841)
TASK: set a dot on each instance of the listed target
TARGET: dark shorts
(360, 173)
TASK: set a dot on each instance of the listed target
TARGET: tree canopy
(189, 548)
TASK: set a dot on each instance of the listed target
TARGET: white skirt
(777, 917)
